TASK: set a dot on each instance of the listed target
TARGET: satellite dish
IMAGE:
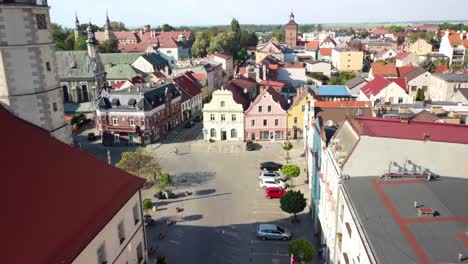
(329, 123)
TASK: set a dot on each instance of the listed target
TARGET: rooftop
(452, 77)
(394, 229)
(65, 208)
(330, 90)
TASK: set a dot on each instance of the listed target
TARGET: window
(47, 64)
(139, 250)
(252, 123)
(212, 117)
(348, 227)
(169, 51)
(234, 118)
(84, 89)
(222, 103)
(66, 97)
(142, 122)
(116, 138)
(269, 109)
(260, 109)
(414, 88)
(115, 121)
(400, 100)
(213, 133)
(101, 254)
(54, 106)
(136, 214)
(276, 122)
(303, 108)
(295, 120)
(360, 112)
(41, 21)
(233, 133)
(223, 117)
(132, 121)
(424, 88)
(265, 122)
(121, 232)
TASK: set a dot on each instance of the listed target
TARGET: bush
(147, 205)
(78, 119)
(291, 170)
(165, 178)
(293, 202)
(302, 250)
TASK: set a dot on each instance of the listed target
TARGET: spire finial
(107, 16)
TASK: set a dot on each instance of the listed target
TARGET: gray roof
(122, 72)
(452, 77)
(355, 82)
(415, 73)
(75, 65)
(120, 58)
(439, 240)
(156, 59)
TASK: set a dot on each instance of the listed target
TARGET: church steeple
(77, 27)
(91, 41)
(108, 28)
(291, 17)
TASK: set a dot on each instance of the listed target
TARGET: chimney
(426, 137)
(264, 72)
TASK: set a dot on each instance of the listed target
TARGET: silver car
(270, 231)
(273, 174)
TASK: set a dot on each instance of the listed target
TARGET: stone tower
(29, 84)
(108, 28)
(77, 27)
(291, 32)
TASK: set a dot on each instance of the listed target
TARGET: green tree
(140, 163)
(109, 46)
(364, 34)
(287, 146)
(420, 95)
(342, 78)
(248, 39)
(395, 29)
(167, 28)
(225, 42)
(242, 55)
(201, 44)
(80, 43)
(279, 36)
(147, 205)
(428, 65)
(235, 27)
(302, 250)
(293, 202)
(165, 178)
(291, 171)
(84, 27)
(118, 26)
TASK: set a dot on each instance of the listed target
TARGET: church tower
(108, 28)
(77, 27)
(29, 84)
(291, 32)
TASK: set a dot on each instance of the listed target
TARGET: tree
(165, 178)
(342, 78)
(248, 39)
(224, 42)
(118, 26)
(242, 55)
(364, 34)
(167, 28)
(395, 29)
(420, 95)
(279, 36)
(302, 250)
(400, 40)
(287, 146)
(291, 171)
(140, 163)
(235, 27)
(80, 43)
(147, 205)
(109, 46)
(84, 27)
(428, 65)
(201, 44)
(293, 202)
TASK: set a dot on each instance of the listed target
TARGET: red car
(274, 192)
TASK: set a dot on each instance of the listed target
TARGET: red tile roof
(159, 74)
(384, 69)
(223, 56)
(245, 83)
(465, 43)
(119, 84)
(277, 97)
(402, 71)
(375, 86)
(402, 83)
(295, 65)
(339, 104)
(275, 85)
(312, 45)
(441, 69)
(412, 130)
(187, 85)
(326, 51)
(402, 55)
(68, 196)
(120, 35)
(379, 31)
(238, 95)
(242, 70)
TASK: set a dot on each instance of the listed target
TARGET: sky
(136, 13)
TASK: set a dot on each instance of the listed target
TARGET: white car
(272, 175)
(271, 182)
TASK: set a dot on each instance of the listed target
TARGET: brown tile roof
(326, 51)
(223, 56)
(384, 69)
(441, 69)
(339, 114)
(238, 95)
(312, 45)
(425, 116)
(402, 71)
(277, 97)
(245, 83)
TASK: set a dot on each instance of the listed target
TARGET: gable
(392, 90)
(265, 99)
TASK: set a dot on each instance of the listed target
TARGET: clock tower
(291, 32)
(29, 84)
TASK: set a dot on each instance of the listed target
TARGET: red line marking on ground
(434, 219)
(402, 182)
(464, 238)
(403, 227)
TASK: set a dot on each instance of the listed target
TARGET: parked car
(198, 119)
(273, 175)
(274, 192)
(271, 231)
(271, 182)
(249, 145)
(270, 166)
(91, 137)
(189, 124)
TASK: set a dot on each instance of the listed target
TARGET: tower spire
(77, 27)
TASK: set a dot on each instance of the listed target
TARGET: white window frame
(117, 138)
(222, 104)
(276, 122)
(260, 109)
(132, 122)
(269, 108)
(223, 117)
(212, 117)
(252, 123)
(234, 117)
(115, 121)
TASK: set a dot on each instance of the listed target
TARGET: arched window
(79, 95)
(84, 89)
(66, 97)
(213, 133)
(233, 133)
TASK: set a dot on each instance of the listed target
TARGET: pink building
(266, 117)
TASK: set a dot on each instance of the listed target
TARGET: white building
(318, 66)
(453, 45)
(443, 86)
(29, 84)
(98, 220)
(381, 90)
(292, 73)
(416, 79)
(223, 118)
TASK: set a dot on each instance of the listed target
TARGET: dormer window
(115, 102)
(223, 104)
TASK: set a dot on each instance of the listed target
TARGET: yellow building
(349, 60)
(420, 47)
(296, 113)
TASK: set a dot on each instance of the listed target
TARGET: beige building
(347, 59)
(442, 87)
(29, 84)
(97, 220)
(420, 47)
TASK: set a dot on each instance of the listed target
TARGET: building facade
(454, 45)
(420, 47)
(347, 60)
(29, 84)
(223, 118)
(296, 113)
(291, 32)
(443, 86)
(266, 117)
